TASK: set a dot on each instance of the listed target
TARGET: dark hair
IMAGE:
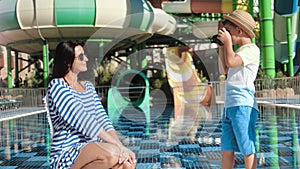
(64, 58)
(227, 22)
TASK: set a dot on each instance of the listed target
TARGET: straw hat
(243, 20)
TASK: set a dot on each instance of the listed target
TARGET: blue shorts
(238, 129)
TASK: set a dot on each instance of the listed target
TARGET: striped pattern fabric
(75, 118)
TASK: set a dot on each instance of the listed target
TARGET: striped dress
(75, 119)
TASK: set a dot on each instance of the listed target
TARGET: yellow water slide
(192, 98)
(183, 78)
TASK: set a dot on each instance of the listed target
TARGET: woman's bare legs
(97, 163)
(99, 155)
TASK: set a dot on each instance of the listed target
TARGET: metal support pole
(274, 141)
(17, 82)
(251, 11)
(250, 4)
(234, 4)
(9, 71)
(267, 38)
(290, 45)
(133, 58)
(101, 51)
(284, 67)
(143, 58)
(45, 63)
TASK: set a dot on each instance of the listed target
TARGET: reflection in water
(274, 139)
(186, 124)
(295, 144)
(191, 143)
(23, 135)
(278, 137)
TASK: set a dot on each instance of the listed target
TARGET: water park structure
(35, 27)
(154, 41)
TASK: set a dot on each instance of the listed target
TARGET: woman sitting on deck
(82, 135)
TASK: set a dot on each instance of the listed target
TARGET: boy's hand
(224, 36)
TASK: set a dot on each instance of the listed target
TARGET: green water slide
(140, 17)
(80, 12)
(8, 15)
(77, 19)
(130, 93)
(286, 23)
(36, 27)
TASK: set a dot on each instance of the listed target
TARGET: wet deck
(25, 140)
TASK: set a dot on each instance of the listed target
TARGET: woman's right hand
(126, 155)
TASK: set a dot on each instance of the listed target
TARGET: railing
(218, 88)
(102, 91)
(277, 89)
(16, 97)
(22, 97)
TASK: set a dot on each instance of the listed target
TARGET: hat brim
(240, 25)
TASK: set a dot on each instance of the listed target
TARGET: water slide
(60, 19)
(36, 27)
(200, 29)
(129, 97)
(281, 12)
(192, 99)
(197, 6)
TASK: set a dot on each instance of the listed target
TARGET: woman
(82, 135)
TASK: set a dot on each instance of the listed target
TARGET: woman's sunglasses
(81, 56)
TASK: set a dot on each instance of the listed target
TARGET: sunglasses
(81, 56)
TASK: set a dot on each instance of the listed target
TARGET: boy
(240, 107)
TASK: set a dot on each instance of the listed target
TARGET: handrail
(276, 89)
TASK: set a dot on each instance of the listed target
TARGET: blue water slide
(282, 10)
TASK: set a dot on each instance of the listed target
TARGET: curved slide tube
(133, 14)
(197, 6)
(118, 103)
(59, 19)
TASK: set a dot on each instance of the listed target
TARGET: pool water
(163, 143)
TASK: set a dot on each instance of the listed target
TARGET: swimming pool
(25, 140)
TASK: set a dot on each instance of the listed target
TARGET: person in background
(82, 135)
(240, 107)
